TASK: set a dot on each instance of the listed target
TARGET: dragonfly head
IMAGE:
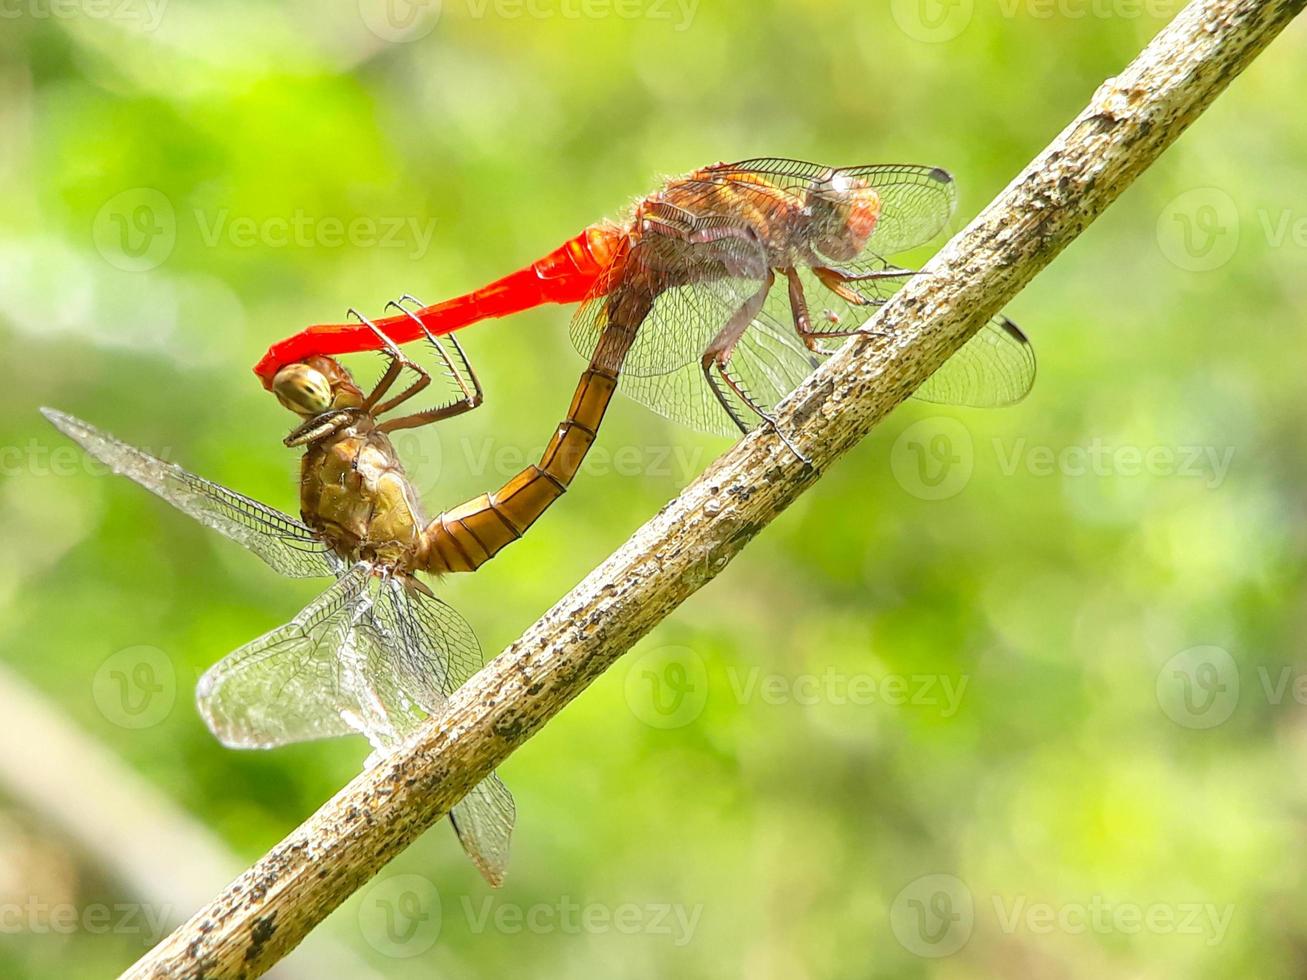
(844, 211)
(314, 385)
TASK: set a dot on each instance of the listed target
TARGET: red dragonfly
(724, 289)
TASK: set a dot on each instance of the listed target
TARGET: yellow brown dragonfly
(377, 652)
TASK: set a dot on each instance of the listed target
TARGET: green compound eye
(302, 389)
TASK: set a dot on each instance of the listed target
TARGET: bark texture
(269, 909)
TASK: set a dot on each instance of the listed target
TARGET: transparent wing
(296, 683)
(996, 367)
(658, 308)
(283, 542)
(372, 656)
(768, 362)
(916, 201)
(436, 652)
(484, 822)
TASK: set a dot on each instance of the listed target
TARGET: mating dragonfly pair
(717, 297)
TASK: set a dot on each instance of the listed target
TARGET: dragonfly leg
(321, 425)
(471, 396)
(716, 363)
(474, 394)
(398, 361)
(811, 336)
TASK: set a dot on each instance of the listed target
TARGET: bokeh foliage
(782, 808)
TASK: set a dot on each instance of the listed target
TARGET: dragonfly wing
(996, 367)
(916, 201)
(677, 289)
(915, 204)
(660, 305)
(425, 652)
(295, 683)
(283, 542)
(484, 822)
(768, 362)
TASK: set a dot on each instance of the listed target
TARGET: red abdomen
(565, 275)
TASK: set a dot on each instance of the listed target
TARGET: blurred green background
(1011, 693)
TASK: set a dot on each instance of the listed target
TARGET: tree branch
(265, 912)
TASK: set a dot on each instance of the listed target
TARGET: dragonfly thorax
(355, 494)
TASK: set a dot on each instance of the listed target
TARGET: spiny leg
(717, 358)
(836, 281)
(320, 425)
(475, 395)
(471, 397)
(398, 361)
